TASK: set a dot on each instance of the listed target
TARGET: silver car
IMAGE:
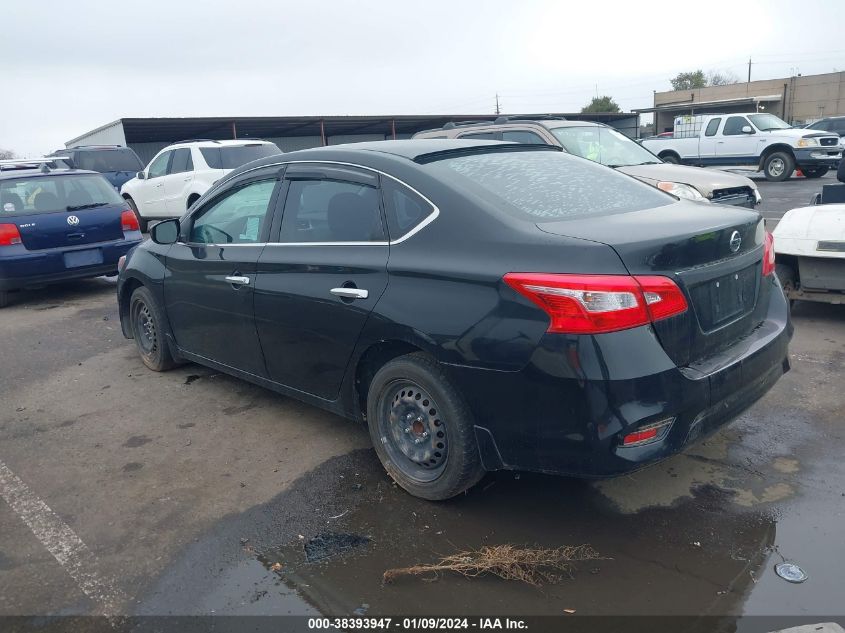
(603, 144)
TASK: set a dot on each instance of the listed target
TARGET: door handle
(237, 280)
(187, 179)
(350, 293)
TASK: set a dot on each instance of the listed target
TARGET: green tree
(689, 81)
(601, 104)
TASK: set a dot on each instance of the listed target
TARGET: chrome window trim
(431, 217)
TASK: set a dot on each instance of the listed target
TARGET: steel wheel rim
(145, 329)
(412, 431)
(777, 167)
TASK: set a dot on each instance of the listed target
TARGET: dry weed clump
(530, 565)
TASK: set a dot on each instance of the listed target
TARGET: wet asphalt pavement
(196, 493)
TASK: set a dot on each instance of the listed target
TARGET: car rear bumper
(29, 268)
(567, 411)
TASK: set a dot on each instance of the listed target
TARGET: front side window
(48, 194)
(713, 127)
(734, 125)
(181, 161)
(331, 211)
(159, 165)
(544, 186)
(236, 218)
(404, 208)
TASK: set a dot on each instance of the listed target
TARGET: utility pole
(498, 112)
(749, 69)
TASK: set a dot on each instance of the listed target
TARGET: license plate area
(87, 257)
(726, 298)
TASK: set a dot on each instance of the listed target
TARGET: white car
(810, 252)
(180, 173)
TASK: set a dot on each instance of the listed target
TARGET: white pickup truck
(761, 140)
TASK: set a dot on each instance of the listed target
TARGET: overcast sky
(68, 67)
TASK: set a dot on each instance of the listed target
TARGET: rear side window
(233, 156)
(49, 194)
(331, 211)
(404, 208)
(712, 127)
(104, 160)
(522, 136)
(548, 186)
(181, 161)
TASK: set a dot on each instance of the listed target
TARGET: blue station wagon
(59, 224)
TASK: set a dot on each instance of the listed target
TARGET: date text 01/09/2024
(413, 624)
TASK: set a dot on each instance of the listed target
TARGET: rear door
(710, 140)
(210, 281)
(177, 182)
(62, 210)
(317, 285)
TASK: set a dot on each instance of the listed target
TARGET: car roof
(9, 174)
(416, 150)
(214, 143)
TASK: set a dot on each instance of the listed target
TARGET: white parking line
(61, 541)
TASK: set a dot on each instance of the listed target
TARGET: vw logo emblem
(72, 220)
(736, 241)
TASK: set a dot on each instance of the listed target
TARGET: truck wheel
(422, 429)
(142, 223)
(672, 159)
(815, 172)
(778, 166)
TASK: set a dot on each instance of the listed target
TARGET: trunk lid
(713, 254)
(71, 228)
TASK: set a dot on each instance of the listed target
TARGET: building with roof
(147, 136)
(797, 100)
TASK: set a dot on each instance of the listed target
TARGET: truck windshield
(766, 122)
(603, 145)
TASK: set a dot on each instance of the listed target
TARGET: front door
(318, 284)
(209, 288)
(741, 148)
(177, 182)
(151, 202)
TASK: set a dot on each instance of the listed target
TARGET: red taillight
(591, 304)
(128, 221)
(9, 235)
(768, 254)
(648, 433)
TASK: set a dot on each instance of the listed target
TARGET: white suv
(180, 173)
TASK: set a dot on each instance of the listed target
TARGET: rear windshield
(104, 160)
(232, 156)
(548, 186)
(46, 194)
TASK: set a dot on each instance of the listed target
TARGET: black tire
(191, 201)
(788, 279)
(433, 454)
(815, 172)
(142, 223)
(778, 166)
(147, 322)
(672, 159)
(4, 298)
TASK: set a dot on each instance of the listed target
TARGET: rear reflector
(768, 254)
(128, 221)
(592, 304)
(9, 235)
(648, 433)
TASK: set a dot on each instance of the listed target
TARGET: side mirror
(141, 175)
(747, 129)
(165, 232)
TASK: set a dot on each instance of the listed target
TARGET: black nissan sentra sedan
(479, 305)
